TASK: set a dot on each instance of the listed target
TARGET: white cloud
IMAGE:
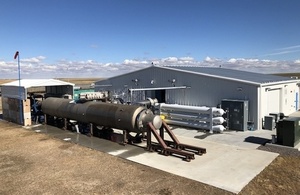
(243, 60)
(132, 62)
(170, 59)
(90, 61)
(252, 60)
(186, 59)
(107, 64)
(232, 60)
(208, 59)
(34, 59)
(266, 61)
(36, 67)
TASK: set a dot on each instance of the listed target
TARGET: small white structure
(15, 105)
(207, 86)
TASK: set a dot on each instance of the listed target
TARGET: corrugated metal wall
(201, 91)
(13, 92)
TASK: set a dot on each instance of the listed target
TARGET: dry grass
(80, 81)
(2, 81)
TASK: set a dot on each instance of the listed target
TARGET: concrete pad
(245, 139)
(224, 166)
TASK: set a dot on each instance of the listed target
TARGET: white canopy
(27, 83)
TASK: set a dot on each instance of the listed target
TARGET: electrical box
(269, 122)
(237, 116)
(288, 131)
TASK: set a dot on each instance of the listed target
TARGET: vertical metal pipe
(45, 119)
(91, 129)
(65, 124)
(149, 144)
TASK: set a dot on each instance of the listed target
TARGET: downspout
(259, 121)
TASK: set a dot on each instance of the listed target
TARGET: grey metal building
(207, 86)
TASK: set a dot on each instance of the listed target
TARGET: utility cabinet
(288, 131)
(269, 122)
(237, 116)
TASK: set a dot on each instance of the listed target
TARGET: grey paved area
(245, 139)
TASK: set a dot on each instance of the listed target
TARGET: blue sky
(102, 38)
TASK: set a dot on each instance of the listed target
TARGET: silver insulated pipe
(126, 117)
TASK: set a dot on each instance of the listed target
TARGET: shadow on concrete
(257, 140)
(203, 136)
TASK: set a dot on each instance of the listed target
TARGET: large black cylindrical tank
(125, 117)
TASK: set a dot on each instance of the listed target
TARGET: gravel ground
(33, 163)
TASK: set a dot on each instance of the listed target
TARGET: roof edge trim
(214, 76)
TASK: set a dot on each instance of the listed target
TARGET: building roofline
(211, 75)
(174, 68)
